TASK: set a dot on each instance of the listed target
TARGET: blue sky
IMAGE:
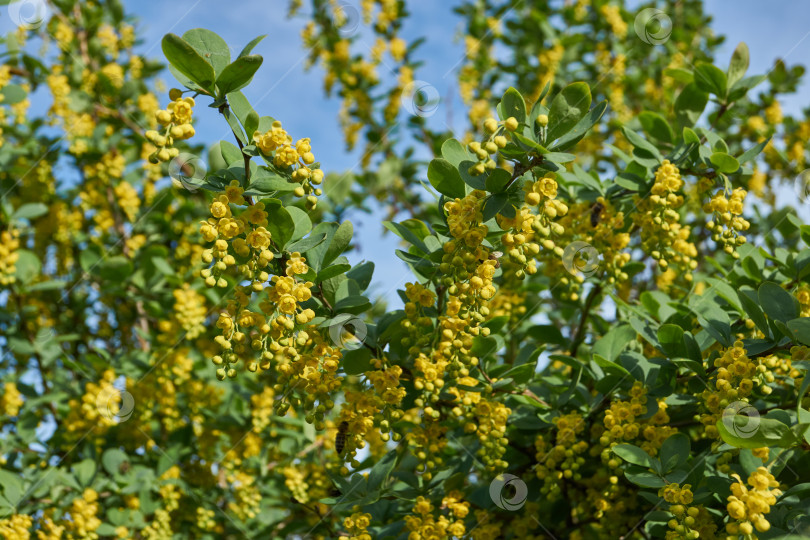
(283, 89)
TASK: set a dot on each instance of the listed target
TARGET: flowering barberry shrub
(605, 332)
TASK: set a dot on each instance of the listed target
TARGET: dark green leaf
(249, 47)
(279, 223)
(497, 180)
(777, 303)
(581, 127)
(454, 152)
(265, 182)
(635, 455)
(339, 243)
(656, 126)
(674, 451)
(752, 431)
(188, 61)
(641, 143)
(445, 178)
(724, 163)
(12, 93)
(738, 65)
(209, 46)
(305, 244)
(710, 78)
(801, 329)
(238, 74)
(614, 342)
(689, 104)
(512, 105)
(567, 109)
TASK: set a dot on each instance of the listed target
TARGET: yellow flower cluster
(561, 456)
(266, 337)
(206, 519)
(747, 507)
(728, 223)
(599, 226)
(247, 497)
(9, 244)
(509, 303)
(82, 125)
(621, 424)
(330, 43)
(128, 200)
(11, 401)
(613, 16)
(689, 522)
(364, 410)
(189, 311)
(487, 526)
(548, 62)
(84, 516)
(487, 419)
(464, 221)
(734, 379)
(96, 194)
(169, 383)
(803, 296)
(425, 525)
(527, 232)
(773, 114)
(418, 295)
(97, 410)
(176, 121)
(428, 441)
(357, 526)
(277, 143)
(17, 527)
(662, 235)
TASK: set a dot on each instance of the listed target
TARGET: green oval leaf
(445, 178)
(567, 108)
(724, 163)
(238, 74)
(182, 56)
